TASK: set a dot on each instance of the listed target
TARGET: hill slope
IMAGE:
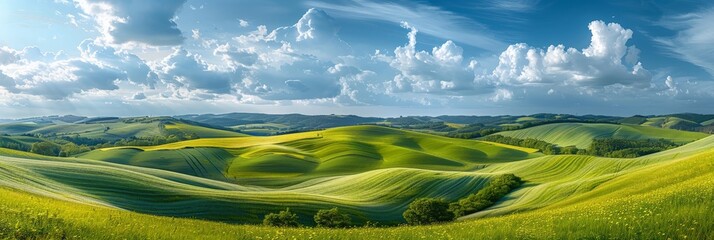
(656, 196)
(582, 134)
(288, 159)
(116, 128)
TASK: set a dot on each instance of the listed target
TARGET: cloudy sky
(364, 57)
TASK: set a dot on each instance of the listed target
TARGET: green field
(670, 122)
(116, 129)
(293, 158)
(582, 134)
(370, 172)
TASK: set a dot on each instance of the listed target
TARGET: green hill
(671, 123)
(292, 158)
(115, 128)
(582, 134)
(655, 196)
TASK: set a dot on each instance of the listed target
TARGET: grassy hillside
(292, 158)
(379, 195)
(115, 128)
(664, 195)
(670, 123)
(582, 134)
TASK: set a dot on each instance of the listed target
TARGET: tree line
(602, 147)
(543, 146)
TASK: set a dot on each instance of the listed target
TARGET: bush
(332, 218)
(428, 211)
(281, 219)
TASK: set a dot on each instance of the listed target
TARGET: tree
(281, 219)
(428, 211)
(69, 149)
(45, 148)
(332, 218)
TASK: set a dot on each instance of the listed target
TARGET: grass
(669, 122)
(667, 195)
(455, 125)
(582, 134)
(116, 129)
(19, 128)
(261, 129)
(379, 195)
(289, 159)
(201, 132)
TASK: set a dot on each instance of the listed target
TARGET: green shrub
(281, 219)
(332, 218)
(428, 211)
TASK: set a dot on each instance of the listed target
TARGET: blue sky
(364, 57)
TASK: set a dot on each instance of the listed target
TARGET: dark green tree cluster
(487, 196)
(626, 148)
(543, 146)
(45, 148)
(428, 211)
(281, 219)
(328, 218)
(6, 142)
(70, 149)
(332, 218)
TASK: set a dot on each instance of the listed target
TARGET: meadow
(213, 187)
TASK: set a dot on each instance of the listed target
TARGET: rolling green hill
(658, 195)
(582, 134)
(292, 158)
(671, 123)
(115, 128)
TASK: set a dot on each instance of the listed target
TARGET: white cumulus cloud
(598, 65)
(440, 72)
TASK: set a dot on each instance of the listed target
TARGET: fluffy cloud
(600, 64)
(8, 55)
(315, 33)
(53, 76)
(59, 79)
(243, 23)
(130, 65)
(288, 63)
(138, 96)
(124, 21)
(440, 72)
(188, 70)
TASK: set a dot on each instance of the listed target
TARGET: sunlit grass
(663, 195)
(665, 201)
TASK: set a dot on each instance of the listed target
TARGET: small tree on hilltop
(332, 218)
(281, 219)
(428, 211)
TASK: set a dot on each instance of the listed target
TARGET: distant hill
(104, 131)
(582, 134)
(274, 124)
